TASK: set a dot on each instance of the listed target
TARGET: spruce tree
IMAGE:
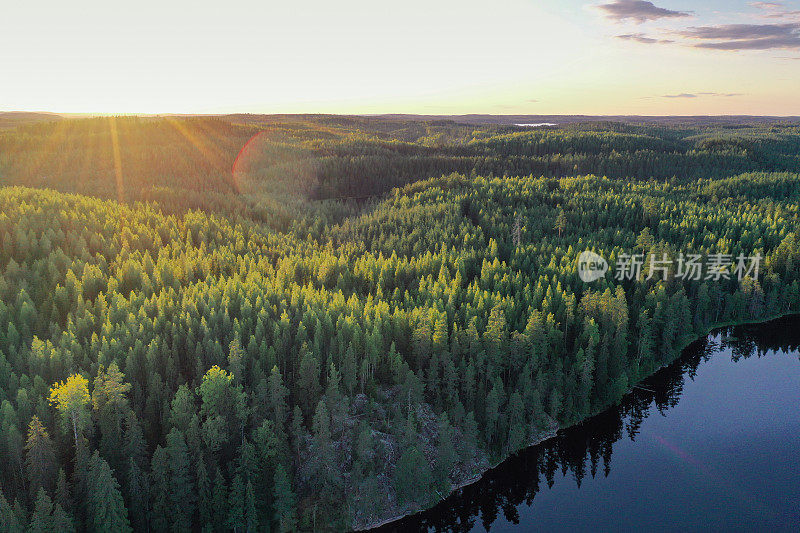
(9, 523)
(105, 508)
(182, 495)
(445, 454)
(250, 510)
(285, 511)
(220, 499)
(236, 505)
(160, 489)
(137, 496)
(412, 477)
(204, 494)
(40, 459)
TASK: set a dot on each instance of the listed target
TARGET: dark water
(714, 444)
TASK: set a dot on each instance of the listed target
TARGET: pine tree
(297, 431)
(105, 509)
(646, 342)
(285, 512)
(41, 520)
(220, 498)
(496, 338)
(9, 522)
(516, 423)
(250, 511)
(135, 446)
(278, 394)
(412, 477)
(182, 409)
(421, 341)
(159, 489)
(182, 496)
(363, 455)
(308, 381)
(224, 408)
(561, 222)
(439, 339)
(322, 429)
(470, 436)
(137, 496)
(494, 403)
(40, 459)
(445, 454)
(349, 369)
(205, 497)
(62, 521)
(49, 518)
(235, 360)
(62, 496)
(236, 505)
(335, 401)
(110, 402)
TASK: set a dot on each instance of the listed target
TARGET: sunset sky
(430, 57)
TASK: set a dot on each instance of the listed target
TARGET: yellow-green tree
(71, 398)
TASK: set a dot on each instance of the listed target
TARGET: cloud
(775, 10)
(745, 36)
(643, 39)
(783, 14)
(767, 5)
(741, 31)
(785, 43)
(638, 10)
(760, 35)
(698, 95)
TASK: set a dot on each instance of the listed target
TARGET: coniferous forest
(279, 323)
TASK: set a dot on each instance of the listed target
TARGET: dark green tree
(105, 507)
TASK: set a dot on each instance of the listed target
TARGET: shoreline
(470, 481)
(551, 434)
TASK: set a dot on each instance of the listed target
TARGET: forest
(592, 449)
(319, 323)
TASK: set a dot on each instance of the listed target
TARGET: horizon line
(76, 114)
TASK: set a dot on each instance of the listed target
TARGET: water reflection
(587, 450)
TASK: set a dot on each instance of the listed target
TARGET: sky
(607, 57)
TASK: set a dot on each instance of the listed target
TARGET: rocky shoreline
(555, 429)
(543, 437)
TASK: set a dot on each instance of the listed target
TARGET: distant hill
(12, 119)
(728, 120)
(322, 157)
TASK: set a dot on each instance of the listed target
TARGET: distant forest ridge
(19, 117)
(228, 163)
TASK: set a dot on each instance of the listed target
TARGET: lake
(710, 443)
